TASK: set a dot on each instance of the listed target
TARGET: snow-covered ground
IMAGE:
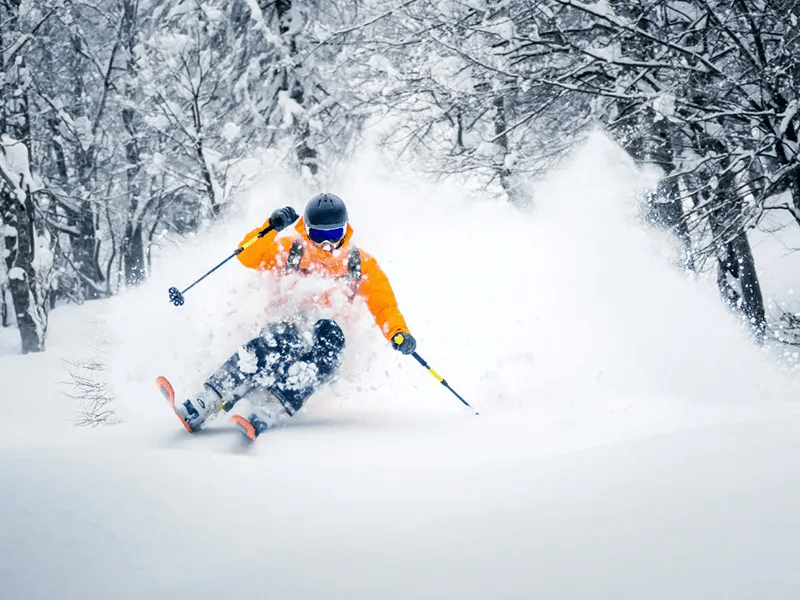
(632, 442)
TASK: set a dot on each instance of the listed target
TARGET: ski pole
(176, 296)
(398, 339)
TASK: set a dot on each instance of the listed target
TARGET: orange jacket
(271, 252)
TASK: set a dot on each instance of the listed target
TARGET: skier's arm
(380, 299)
(262, 253)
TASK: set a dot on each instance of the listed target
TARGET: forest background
(125, 122)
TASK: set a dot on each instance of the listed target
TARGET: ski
(251, 428)
(168, 391)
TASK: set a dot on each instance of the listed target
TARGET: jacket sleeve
(378, 294)
(261, 254)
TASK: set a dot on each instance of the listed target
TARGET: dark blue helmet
(326, 212)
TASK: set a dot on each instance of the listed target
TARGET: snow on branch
(15, 167)
(788, 116)
(355, 27)
(616, 22)
(10, 53)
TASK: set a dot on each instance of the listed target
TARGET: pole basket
(175, 296)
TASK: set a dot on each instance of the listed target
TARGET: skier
(293, 356)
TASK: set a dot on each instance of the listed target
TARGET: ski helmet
(326, 212)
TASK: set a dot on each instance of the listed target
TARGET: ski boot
(252, 427)
(194, 411)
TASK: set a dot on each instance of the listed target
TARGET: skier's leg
(233, 379)
(237, 375)
(327, 348)
(280, 361)
(258, 363)
(305, 371)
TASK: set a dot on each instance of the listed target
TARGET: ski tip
(166, 388)
(245, 426)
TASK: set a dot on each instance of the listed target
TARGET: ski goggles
(320, 236)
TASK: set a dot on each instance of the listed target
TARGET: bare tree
(72, 80)
(133, 251)
(25, 261)
(703, 89)
(464, 89)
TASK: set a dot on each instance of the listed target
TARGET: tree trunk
(3, 306)
(786, 153)
(199, 150)
(501, 141)
(792, 40)
(133, 254)
(133, 251)
(665, 210)
(650, 142)
(85, 251)
(306, 154)
(752, 298)
(77, 184)
(31, 312)
(85, 245)
(16, 200)
(736, 276)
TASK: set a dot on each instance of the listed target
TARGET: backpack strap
(295, 256)
(354, 271)
(354, 266)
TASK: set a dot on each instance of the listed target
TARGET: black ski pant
(287, 361)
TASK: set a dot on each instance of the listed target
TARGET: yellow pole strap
(254, 239)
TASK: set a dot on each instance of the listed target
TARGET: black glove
(404, 342)
(282, 218)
